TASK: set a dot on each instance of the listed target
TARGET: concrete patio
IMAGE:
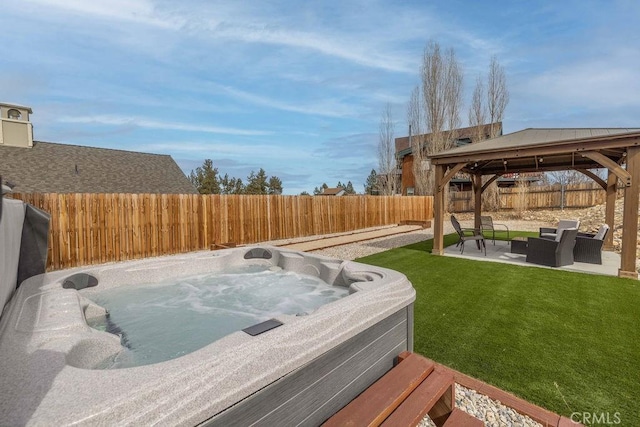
(501, 252)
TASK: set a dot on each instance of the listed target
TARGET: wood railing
(97, 228)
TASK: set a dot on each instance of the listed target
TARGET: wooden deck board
(375, 404)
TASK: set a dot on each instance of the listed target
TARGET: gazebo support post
(630, 216)
(477, 203)
(438, 212)
(610, 209)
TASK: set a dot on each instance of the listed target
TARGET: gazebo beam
(452, 172)
(543, 150)
(624, 175)
(630, 216)
(601, 182)
(490, 181)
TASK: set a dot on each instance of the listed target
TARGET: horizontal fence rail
(97, 228)
(536, 197)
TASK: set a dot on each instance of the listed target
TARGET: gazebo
(545, 150)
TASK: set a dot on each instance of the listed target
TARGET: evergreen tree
(371, 185)
(275, 185)
(257, 182)
(238, 186)
(205, 178)
(349, 188)
(231, 185)
(317, 190)
(225, 184)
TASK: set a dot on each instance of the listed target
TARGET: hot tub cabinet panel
(298, 373)
(314, 392)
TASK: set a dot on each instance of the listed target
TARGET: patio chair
(463, 235)
(563, 224)
(553, 253)
(486, 223)
(589, 246)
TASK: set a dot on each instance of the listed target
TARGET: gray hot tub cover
(24, 231)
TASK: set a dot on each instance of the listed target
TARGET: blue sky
(298, 88)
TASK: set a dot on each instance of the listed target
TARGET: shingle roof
(331, 191)
(402, 143)
(60, 168)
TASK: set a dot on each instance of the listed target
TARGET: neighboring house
(45, 167)
(463, 136)
(338, 191)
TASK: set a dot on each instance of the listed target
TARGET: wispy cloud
(237, 150)
(362, 146)
(610, 80)
(159, 125)
(313, 41)
(329, 107)
(138, 11)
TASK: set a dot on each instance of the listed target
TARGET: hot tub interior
(161, 321)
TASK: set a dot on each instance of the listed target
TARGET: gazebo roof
(531, 150)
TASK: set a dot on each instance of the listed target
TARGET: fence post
(562, 194)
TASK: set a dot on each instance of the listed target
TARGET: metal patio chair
(463, 235)
(486, 223)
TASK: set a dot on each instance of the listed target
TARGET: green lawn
(565, 341)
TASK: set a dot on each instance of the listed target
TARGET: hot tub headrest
(258, 253)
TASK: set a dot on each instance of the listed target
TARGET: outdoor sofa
(563, 224)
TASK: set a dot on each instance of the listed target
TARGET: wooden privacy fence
(536, 197)
(97, 228)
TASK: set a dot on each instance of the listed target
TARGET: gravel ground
(492, 412)
(360, 249)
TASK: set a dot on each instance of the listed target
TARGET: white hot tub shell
(301, 372)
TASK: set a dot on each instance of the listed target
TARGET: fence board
(535, 197)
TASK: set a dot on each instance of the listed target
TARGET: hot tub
(295, 368)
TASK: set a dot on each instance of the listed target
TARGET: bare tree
(497, 97)
(477, 118)
(568, 177)
(387, 163)
(453, 96)
(497, 94)
(442, 92)
(520, 203)
(478, 110)
(420, 166)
